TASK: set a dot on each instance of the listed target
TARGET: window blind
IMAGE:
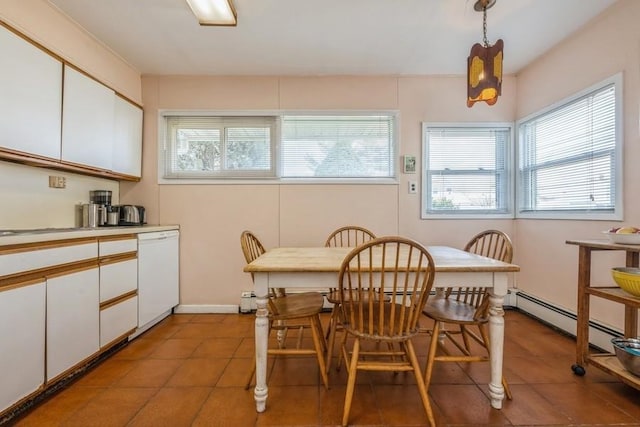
(467, 169)
(338, 146)
(568, 156)
(205, 147)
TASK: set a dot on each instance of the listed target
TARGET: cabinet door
(88, 113)
(127, 144)
(22, 354)
(30, 97)
(73, 319)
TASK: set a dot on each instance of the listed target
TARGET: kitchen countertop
(19, 236)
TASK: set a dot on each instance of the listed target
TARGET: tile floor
(189, 370)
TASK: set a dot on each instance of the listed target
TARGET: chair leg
(317, 341)
(422, 387)
(331, 336)
(351, 382)
(433, 346)
(332, 319)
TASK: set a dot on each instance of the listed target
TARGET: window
(205, 147)
(569, 157)
(310, 147)
(467, 170)
(337, 146)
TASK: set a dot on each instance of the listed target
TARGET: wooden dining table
(318, 267)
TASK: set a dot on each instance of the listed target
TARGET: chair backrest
(491, 244)
(251, 246)
(407, 280)
(252, 249)
(349, 236)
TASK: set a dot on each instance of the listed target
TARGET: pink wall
(213, 216)
(608, 45)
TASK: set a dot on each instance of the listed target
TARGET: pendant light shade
(214, 12)
(484, 65)
(484, 73)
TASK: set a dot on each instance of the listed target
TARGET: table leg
(262, 335)
(496, 333)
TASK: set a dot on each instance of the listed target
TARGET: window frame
(470, 214)
(276, 148)
(618, 179)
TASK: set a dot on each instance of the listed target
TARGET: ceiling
(327, 37)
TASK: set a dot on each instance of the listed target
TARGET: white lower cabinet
(117, 320)
(73, 319)
(22, 306)
(118, 289)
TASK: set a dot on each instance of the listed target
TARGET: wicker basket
(628, 278)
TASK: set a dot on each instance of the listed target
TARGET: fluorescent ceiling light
(214, 12)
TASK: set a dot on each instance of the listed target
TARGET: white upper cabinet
(88, 121)
(127, 144)
(30, 97)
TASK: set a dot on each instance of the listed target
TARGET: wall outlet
(57, 182)
(413, 187)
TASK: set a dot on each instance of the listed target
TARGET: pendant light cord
(484, 26)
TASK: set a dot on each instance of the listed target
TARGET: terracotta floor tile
(217, 347)
(583, 405)
(364, 409)
(139, 348)
(291, 406)
(236, 373)
(59, 407)
(172, 407)
(113, 407)
(149, 373)
(528, 407)
(107, 373)
(198, 372)
(477, 410)
(176, 348)
(225, 407)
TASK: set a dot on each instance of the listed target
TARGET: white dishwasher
(158, 276)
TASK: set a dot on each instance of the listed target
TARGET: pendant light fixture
(214, 12)
(484, 65)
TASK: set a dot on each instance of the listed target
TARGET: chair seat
(296, 305)
(451, 311)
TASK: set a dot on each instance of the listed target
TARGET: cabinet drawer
(17, 260)
(118, 278)
(117, 246)
(118, 319)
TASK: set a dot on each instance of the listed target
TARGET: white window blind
(206, 147)
(337, 146)
(467, 170)
(568, 156)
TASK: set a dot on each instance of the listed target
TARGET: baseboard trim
(599, 334)
(206, 309)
